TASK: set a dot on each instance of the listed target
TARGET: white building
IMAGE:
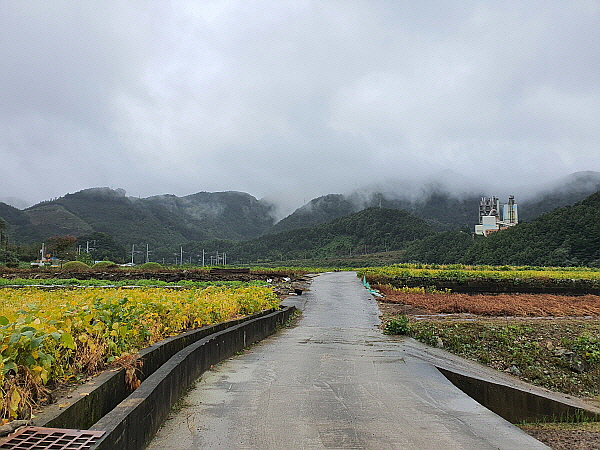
(495, 216)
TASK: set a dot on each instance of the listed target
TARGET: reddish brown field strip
(529, 305)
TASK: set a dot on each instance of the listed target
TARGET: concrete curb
(516, 405)
(91, 401)
(504, 394)
(133, 422)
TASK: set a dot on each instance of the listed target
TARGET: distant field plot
(460, 272)
(488, 279)
(539, 305)
(545, 339)
(53, 336)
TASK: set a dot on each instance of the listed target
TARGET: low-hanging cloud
(291, 100)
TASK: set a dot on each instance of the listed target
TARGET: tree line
(567, 236)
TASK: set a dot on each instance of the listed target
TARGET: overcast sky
(293, 99)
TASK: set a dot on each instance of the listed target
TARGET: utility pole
(148, 253)
(202, 257)
(133, 252)
(181, 256)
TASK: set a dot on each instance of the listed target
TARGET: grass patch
(567, 426)
(557, 354)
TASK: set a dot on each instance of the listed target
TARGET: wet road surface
(333, 382)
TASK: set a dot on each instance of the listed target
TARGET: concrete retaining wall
(91, 401)
(133, 422)
(515, 405)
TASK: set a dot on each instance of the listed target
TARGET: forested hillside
(367, 231)
(566, 236)
(332, 225)
(159, 221)
(319, 210)
(564, 192)
(440, 208)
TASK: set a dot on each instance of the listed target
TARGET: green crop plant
(61, 335)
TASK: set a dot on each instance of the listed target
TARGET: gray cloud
(291, 100)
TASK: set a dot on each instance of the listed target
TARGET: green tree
(3, 239)
(86, 258)
(63, 247)
(8, 255)
(103, 247)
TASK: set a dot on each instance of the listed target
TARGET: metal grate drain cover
(37, 438)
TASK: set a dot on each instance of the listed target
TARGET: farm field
(163, 275)
(488, 279)
(57, 336)
(461, 272)
(521, 305)
(548, 340)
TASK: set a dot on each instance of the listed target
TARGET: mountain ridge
(169, 220)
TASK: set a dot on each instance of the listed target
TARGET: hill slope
(160, 220)
(443, 210)
(169, 221)
(566, 236)
(367, 231)
(566, 191)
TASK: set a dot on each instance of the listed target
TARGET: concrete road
(333, 382)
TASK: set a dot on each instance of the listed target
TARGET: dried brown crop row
(532, 305)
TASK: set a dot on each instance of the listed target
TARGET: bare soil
(576, 437)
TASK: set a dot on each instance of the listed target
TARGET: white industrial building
(495, 216)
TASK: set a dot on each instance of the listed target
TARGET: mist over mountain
(16, 202)
(168, 220)
(445, 204)
(160, 220)
(565, 191)
(435, 203)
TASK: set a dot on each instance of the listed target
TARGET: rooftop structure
(495, 216)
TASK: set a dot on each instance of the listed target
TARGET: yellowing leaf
(15, 399)
(67, 340)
